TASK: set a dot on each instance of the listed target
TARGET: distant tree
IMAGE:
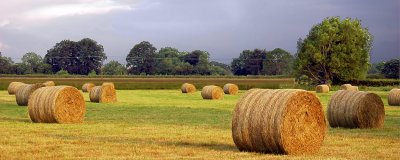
(376, 68)
(141, 59)
(33, 61)
(21, 68)
(114, 68)
(391, 69)
(76, 57)
(200, 62)
(218, 68)
(334, 50)
(277, 62)
(249, 62)
(6, 65)
(184, 68)
(167, 59)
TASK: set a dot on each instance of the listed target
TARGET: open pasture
(166, 124)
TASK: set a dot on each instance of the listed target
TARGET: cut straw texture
(49, 83)
(394, 97)
(13, 87)
(188, 88)
(103, 94)
(279, 121)
(57, 104)
(212, 92)
(24, 91)
(87, 87)
(322, 89)
(349, 109)
(348, 87)
(230, 88)
(109, 84)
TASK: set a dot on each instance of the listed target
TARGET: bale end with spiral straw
(87, 87)
(13, 87)
(322, 89)
(103, 94)
(24, 92)
(394, 97)
(212, 92)
(188, 88)
(230, 88)
(57, 104)
(49, 83)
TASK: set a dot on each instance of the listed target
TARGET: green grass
(166, 124)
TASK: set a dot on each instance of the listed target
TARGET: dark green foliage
(6, 65)
(76, 57)
(142, 59)
(113, 68)
(372, 83)
(391, 69)
(249, 62)
(334, 50)
(277, 62)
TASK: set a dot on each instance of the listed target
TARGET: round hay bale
(109, 83)
(394, 97)
(13, 87)
(23, 93)
(57, 104)
(87, 87)
(322, 89)
(212, 92)
(103, 94)
(230, 88)
(284, 121)
(349, 87)
(188, 88)
(359, 109)
(49, 83)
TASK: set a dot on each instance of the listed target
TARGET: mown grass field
(166, 124)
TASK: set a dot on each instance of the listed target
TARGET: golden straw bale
(322, 89)
(188, 88)
(24, 91)
(13, 87)
(350, 109)
(394, 97)
(87, 87)
(57, 104)
(212, 92)
(49, 83)
(283, 121)
(349, 87)
(109, 83)
(230, 88)
(103, 94)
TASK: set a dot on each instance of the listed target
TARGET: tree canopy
(141, 58)
(334, 50)
(76, 57)
(277, 62)
(391, 69)
(113, 68)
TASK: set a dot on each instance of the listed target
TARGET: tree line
(334, 50)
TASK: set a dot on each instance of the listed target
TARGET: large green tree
(142, 59)
(76, 57)
(113, 68)
(334, 50)
(249, 62)
(34, 63)
(391, 69)
(277, 62)
(167, 60)
(6, 65)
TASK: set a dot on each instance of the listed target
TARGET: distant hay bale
(188, 88)
(283, 121)
(13, 87)
(349, 87)
(87, 87)
(212, 92)
(103, 94)
(49, 83)
(322, 89)
(394, 97)
(109, 83)
(57, 104)
(359, 109)
(24, 91)
(230, 88)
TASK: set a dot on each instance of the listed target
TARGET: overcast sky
(222, 27)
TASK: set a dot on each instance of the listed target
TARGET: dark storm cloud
(222, 27)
